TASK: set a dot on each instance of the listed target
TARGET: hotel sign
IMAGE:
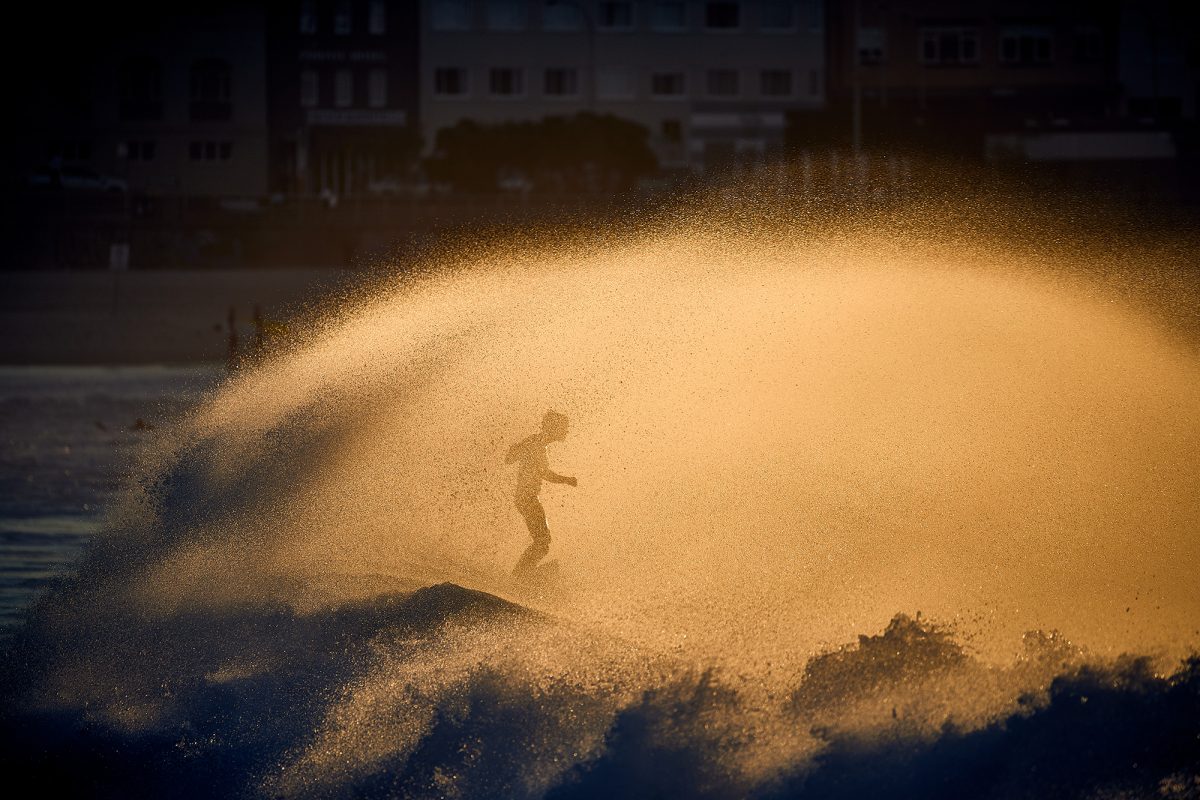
(358, 117)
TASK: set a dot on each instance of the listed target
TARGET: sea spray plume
(796, 421)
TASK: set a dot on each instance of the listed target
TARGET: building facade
(1160, 61)
(947, 74)
(170, 103)
(343, 94)
(710, 81)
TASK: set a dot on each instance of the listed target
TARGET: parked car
(76, 179)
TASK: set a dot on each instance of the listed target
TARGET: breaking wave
(782, 437)
(451, 692)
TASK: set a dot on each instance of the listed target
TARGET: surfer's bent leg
(535, 519)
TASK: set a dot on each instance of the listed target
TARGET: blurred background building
(709, 82)
(917, 72)
(1073, 86)
(301, 132)
(170, 102)
(343, 100)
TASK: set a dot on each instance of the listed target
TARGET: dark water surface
(67, 438)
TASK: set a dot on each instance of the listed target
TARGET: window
(343, 88)
(672, 130)
(138, 151)
(141, 89)
(506, 15)
(450, 81)
(776, 82)
(377, 88)
(722, 16)
(667, 84)
(814, 13)
(451, 15)
(377, 18)
(562, 82)
(1025, 46)
(561, 15)
(308, 16)
(722, 82)
(505, 81)
(343, 19)
(949, 46)
(71, 150)
(668, 16)
(615, 16)
(209, 90)
(210, 151)
(210, 81)
(778, 16)
(310, 89)
(872, 46)
(616, 83)
(1089, 45)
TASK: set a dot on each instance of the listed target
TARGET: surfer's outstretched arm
(554, 477)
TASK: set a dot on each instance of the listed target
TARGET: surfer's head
(554, 425)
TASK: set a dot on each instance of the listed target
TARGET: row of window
(143, 150)
(209, 80)
(210, 151)
(952, 46)
(955, 45)
(343, 17)
(147, 149)
(209, 89)
(621, 82)
(577, 15)
(343, 88)
(564, 15)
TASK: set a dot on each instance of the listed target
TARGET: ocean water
(68, 444)
(857, 516)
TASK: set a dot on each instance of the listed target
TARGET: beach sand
(160, 316)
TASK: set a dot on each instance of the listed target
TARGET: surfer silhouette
(530, 455)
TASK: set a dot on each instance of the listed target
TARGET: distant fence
(77, 231)
(60, 229)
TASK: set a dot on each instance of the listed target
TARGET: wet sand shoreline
(85, 318)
